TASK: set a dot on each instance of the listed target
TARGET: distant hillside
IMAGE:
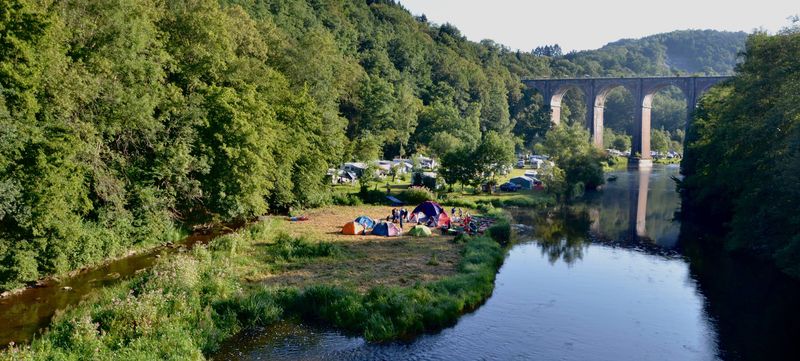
(708, 52)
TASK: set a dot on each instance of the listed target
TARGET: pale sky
(581, 25)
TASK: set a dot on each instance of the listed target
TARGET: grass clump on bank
(291, 248)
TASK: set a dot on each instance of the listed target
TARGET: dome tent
(420, 231)
(431, 210)
(365, 221)
(353, 228)
(386, 229)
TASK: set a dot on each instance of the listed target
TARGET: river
(613, 278)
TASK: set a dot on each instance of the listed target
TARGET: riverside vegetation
(185, 306)
(123, 122)
(742, 165)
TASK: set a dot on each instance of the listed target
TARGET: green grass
(185, 306)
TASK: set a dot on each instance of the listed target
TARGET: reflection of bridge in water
(638, 204)
(635, 212)
(639, 207)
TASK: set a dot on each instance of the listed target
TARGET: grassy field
(184, 307)
(371, 260)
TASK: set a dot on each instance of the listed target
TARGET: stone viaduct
(643, 89)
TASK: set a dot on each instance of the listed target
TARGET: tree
(458, 166)
(494, 154)
(569, 147)
(660, 140)
(622, 142)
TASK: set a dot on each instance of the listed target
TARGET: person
(460, 213)
(453, 212)
(401, 219)
(388, 188)
(394, 215)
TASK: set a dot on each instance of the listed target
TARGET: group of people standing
(400, 215)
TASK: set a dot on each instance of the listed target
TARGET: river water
(23, 315)
(613, 278)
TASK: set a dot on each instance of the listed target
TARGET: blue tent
(386, 229)
(365, 221)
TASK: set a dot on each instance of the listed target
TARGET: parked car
(521, 163)
(509, 187)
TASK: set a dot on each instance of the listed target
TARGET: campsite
(371, 259)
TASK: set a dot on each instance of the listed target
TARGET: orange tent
(352, 228)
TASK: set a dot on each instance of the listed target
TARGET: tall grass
(290, 248)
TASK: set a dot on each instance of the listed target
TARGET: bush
(373, 196)
(288, 248)
(346, 200)
(417, 195)
(485, 207)
(228, 243)
(500, 232)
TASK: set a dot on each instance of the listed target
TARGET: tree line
(121, 120)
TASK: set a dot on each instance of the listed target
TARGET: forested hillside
(121, 120)
(743, 164)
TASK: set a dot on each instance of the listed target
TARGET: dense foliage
(743, 160)
(121, 120)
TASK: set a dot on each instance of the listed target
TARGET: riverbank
(381, 288)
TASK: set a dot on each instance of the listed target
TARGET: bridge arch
(643, 126)
(643, 89)
(602, 92)
(557, 94)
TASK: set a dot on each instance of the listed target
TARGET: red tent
(444, 220)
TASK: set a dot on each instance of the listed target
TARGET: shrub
(228, 243)
(485, 207)
(416, 195)
(289, 248)
(500, 232)
(373, 196)
(346, 200)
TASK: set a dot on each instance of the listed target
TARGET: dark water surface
(614, 278)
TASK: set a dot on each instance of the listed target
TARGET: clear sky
(590, 24)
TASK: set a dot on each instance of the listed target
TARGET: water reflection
(636, 211)
(560, 234)
(639, 206)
